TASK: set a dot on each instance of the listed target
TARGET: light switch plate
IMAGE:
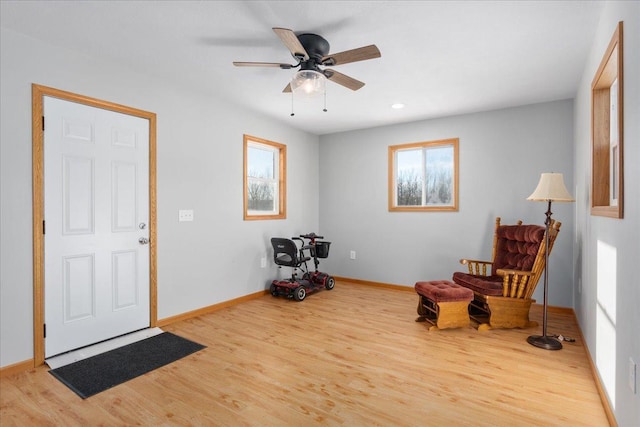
(185, 215)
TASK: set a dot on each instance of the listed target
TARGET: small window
(607, 125)
(423, 176)
(264, 179)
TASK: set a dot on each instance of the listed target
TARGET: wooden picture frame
(607, 126)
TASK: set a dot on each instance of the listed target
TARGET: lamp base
(543, 341)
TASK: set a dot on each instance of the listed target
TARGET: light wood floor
(352, 356)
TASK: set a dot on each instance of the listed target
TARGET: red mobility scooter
(288, 253)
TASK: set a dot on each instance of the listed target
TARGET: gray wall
(621, 234)
(199, 157)
(502, 154)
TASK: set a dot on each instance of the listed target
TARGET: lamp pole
(544, 341)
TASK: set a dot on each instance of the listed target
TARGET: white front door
(96, 213)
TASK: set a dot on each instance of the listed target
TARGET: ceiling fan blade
(263, 64)
(353, 55)
(287, 89)
(344, 80)
(292, 43)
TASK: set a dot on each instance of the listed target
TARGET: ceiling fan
(311, 51)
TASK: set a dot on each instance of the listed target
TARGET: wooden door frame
(38, 92)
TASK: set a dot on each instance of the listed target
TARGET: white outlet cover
(185, 215)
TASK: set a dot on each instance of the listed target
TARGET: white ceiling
(440, 58)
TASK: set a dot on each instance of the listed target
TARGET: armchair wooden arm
(514, 282)
(477, 267)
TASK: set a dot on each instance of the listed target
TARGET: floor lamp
(551, 188)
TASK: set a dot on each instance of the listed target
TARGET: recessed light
(397, 106)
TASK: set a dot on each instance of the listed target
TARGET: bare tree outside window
(260, 194)
(409, 188)
(439, 171)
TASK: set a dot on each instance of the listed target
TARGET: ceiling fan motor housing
(315, 45)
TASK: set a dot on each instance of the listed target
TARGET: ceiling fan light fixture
(308, 83)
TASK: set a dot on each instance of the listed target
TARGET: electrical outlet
(263, 262)
(632, 375)
(185, 215)
(352, 255)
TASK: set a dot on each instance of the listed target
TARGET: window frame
(281, 151)
(607, 174)
(392, 184)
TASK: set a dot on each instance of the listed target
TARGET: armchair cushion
(485, 285)
(517, 247)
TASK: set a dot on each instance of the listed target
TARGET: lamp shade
(551, 188)
(308, 82)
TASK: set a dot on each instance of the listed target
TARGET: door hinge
(43, 123)
(43, 226)
(44, 327)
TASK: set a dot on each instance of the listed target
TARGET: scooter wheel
(299, 293)
(273, 290)
(330, 283)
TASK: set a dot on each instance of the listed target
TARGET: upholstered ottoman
(444, 304)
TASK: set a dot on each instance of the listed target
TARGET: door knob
(143, 240)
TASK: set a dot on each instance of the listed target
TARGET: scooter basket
(322, 249)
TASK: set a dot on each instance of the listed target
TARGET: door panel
(125, 285)
(77, 195)
(79, 287)
(96, 207)
(123, 192)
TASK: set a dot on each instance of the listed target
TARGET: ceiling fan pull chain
(325, 100)
(292, 113)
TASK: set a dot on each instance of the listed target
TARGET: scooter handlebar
(311, 236)
(302, 245)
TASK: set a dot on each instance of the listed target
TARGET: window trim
(393, 149)
(603, 166)
(282, 179)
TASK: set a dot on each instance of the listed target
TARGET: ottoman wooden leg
(427, 310)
